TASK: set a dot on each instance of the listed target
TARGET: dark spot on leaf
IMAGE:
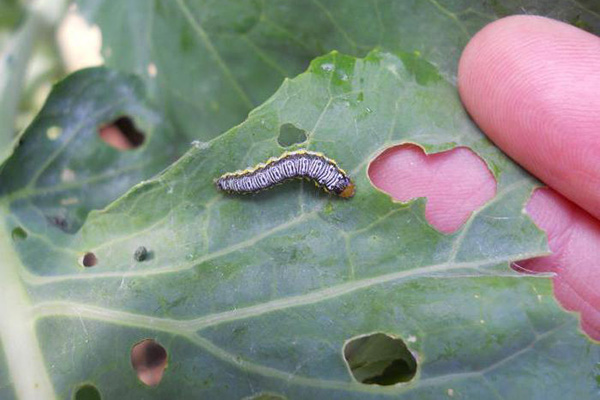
(141, 254)
(87, 392)
(245, 24)
(122, 134)
(379, 359)
(186, 41)
(240, 331)
(290, 135)
(18, 234)
(149, 360)
(89, 260)
(59, 222)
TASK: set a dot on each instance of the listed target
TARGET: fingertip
(532, 84)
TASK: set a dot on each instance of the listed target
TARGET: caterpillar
(290, 165)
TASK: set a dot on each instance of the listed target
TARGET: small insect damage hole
(53, 132)
(152, 70)
(18, 234)
(456, 182)
(379, 359)
(122, 134)
(87, 392)
(89, 260)
(149, 360)
(290, 135)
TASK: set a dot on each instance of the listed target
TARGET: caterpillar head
(344, 188)
(348, 191)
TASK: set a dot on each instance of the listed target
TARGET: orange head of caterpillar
(344, 187)
(348, 191)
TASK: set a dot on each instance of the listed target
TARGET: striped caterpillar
(298, 164)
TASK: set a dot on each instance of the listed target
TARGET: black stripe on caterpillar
(290, 165)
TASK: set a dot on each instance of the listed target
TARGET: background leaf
(217, 60)
(27, 62)
(61, 165)
(11, 12)
(258, 294)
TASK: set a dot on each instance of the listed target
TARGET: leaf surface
(211, 62)
(256, 295)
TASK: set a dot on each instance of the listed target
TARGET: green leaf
(37, 23)
(258, 295)
(61, 164)
(217, 60)
(11, 13)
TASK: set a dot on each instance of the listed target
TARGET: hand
(533, 86)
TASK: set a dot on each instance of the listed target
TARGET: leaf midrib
(67, 309)
(17, 327)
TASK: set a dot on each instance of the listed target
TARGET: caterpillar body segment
(301, 164)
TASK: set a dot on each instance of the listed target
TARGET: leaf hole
(122, 134)
(289, 135)
(152, 70)
(89, 260)
(53, 132)
(573, 279)
(18, 234)
(149, 360)
(547, 210)
(379, 359)
(455, 182)
(87, 392)
(67, 175)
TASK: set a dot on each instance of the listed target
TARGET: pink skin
(111, 135)
(533, 85)
(406, 172)
(574, 237)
